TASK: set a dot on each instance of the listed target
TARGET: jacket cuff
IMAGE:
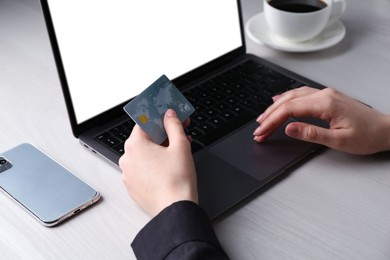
(179, 223)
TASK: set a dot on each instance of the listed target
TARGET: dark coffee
(298, 6)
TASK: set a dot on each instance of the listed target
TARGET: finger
(285, 97)
(186, 123)
(295, 93)
(173, 127)
(298, 107)
(137, 136)
(138, 133)
(311, 133)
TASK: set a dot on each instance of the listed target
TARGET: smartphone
(43, 187)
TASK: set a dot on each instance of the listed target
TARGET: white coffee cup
(298, 26)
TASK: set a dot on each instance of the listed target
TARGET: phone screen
(42, 186)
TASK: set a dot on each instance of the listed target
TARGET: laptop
(107, 52)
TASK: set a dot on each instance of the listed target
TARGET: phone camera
(4, 164)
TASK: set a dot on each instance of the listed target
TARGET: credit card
(149, 107)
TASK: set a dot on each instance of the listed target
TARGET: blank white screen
(112, 50)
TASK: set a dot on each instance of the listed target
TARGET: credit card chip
(143, 118)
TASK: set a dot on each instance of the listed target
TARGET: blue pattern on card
(149, 107)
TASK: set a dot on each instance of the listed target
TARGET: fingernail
(292, 131)
(170, 112)
(274, 98)
(260, 117)
(258, 139)
(257, 131)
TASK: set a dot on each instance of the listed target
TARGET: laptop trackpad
(261, 160)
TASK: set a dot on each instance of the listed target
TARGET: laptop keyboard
(115, 137)
(222, 104)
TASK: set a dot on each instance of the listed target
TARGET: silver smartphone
(47, 190)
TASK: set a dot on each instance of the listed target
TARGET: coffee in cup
(301, 20)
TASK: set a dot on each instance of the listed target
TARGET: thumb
(173, 126)
(309, 133)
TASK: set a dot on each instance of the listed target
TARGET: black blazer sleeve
(180, 231)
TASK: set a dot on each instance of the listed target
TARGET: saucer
(257, 30)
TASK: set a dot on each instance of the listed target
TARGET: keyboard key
(119, 148)
(111, 141)
(206, 127)
(217, 121)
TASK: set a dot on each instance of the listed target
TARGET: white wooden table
(336, 206)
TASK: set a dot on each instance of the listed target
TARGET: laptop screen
(112, 50)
